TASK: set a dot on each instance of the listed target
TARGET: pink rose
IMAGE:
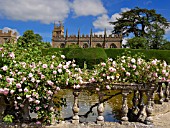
(54, 72)
(4, 68)
(6, 91)
(62, 56)
(1, 91)
(12, 55)
(44, 65)
(108, 87)
(103, 64)
(37, 108)
(30, 75)
(18, 85)
(25, 90)
(53, 56)
(37, 101)
(60, 70)
(20, 90)
(12, 92)
(111, 69)
(97, 89)
(127, 73)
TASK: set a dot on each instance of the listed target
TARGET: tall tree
(142, 23)
(29, 38)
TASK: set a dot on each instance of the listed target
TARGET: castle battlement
(7, 34)
(59, 39)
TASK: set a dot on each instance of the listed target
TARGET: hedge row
(92, 56)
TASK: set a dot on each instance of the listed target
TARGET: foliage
(8, 118)
(149, 54)
(166, 46)
(30, 38)
(137, 43)
(130, 69)
(31, 77)
(142, 23)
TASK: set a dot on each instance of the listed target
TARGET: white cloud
(125, 9)
(44, 11)
(102, 22)
(102, 32)
(48, 11)
(6, 29)
(88, 7)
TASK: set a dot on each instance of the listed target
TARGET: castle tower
(58, 30)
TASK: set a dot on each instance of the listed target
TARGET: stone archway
(85, 45)
(98, 45)
(62, 45)
(113, 45)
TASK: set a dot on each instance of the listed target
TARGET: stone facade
(8, 37)
(60, 40)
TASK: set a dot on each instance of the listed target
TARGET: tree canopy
(142, 23)
(30, 38)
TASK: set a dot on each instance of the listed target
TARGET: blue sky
(40, 15)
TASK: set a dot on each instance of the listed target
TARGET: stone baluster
(25, 115)
(167, 92)
(135, 101)
(75, 109)
(51, 108)
(100, 109)
(149, 107)
(2, 107)
(142, 107)
(124, 105)
(161, 94)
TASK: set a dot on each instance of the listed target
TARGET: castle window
(85, 45)
(99, 45)
(113, 46)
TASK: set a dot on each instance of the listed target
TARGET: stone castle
(8, 37)
(59, 40)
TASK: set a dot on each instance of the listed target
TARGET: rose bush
(130, 69)
(27, 76)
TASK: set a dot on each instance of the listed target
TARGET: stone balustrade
(141, 110)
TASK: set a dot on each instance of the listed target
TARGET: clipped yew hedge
(149, 54)
(92, 56)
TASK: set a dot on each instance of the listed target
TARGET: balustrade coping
(114, 86)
